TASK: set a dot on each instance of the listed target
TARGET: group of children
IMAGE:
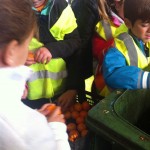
(118, 35)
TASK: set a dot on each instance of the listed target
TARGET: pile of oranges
(75, 120)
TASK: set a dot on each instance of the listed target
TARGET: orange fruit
(84, 132)
(86, 106)
(81, 127)
(83, 113)
(80, 120)
(30, 55)
(71, 126)
(67, 115)
(73, 135)
(77, 106)
(51, 107)
(75, 114)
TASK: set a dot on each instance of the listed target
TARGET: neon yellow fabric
(114, 30)
(45, 86)
(105, 91)
(142, 60)
(35, 44)
(65, 24)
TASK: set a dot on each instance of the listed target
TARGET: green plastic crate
(115, 119)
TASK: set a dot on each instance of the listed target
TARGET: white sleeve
(30, 130)
(60, 135)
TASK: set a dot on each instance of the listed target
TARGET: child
(131, 50)
(91, 16)
(88, 14)
(22, 128)
(105, 31)
(56, 78)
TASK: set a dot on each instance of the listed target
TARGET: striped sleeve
(143, 80)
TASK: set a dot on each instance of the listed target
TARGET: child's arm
(118, 74)
(25, 92)
(57, 124)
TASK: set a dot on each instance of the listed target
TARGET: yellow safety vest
(49, 79)
(132, 53)
(107, 30)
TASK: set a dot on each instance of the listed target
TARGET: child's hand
(30, 59)
(44, 109)
(67, 99)
(42, 55)
(52, 112)
(56, 116)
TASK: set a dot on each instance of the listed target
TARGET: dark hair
(112, 5)
(137, 9)
(17, 20)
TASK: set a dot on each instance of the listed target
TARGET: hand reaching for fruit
(67, 99)
(30, 59)
(52, 113)
(40, 55)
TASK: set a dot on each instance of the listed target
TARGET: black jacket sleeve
(63, 48)
(68, 49)
(86, 12)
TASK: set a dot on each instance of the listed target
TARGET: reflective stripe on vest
(47, 79)
(107, 30)
(134, 56)
(52, 75)
(132, 52)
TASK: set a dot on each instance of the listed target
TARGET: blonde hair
(103, 9)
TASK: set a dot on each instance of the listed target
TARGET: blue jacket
(118, 75)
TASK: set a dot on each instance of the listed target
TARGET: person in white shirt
(22, 128)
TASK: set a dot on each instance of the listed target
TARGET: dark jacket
(68, 49)
(86, 12)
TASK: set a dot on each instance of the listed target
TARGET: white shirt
(22, 128)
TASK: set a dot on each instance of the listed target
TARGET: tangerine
(71, 126)
(84, 132)
(73, 135)
(83, 113)
(77, 106)
(81, 127)
(80, 120)
(86, 106)
(30, 55)
(51, 107)
(75, 114)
